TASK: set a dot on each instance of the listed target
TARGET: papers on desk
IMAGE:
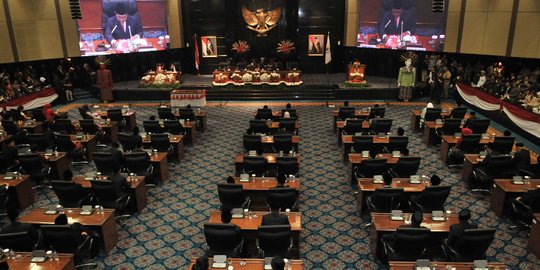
(86, 210)
(38, 256)
(480, 265)
(485, 136)
(51, 210)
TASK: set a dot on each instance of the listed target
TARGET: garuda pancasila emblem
(261, 21)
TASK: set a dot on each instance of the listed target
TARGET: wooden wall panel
(173, 22)
(526, 38)
(37, 39)
(452, 28)
(496, 33)
(351, 23)
(6, 55)
(473, 32)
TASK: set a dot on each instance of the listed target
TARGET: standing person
(68, 88)
(105, 83)
(406, 77)
(446, 76)
(438, 87)
(431, 81)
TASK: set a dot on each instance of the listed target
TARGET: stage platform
(315, 87)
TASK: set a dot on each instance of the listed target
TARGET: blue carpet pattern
(168, 233)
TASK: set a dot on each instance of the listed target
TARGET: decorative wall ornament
(261, 21)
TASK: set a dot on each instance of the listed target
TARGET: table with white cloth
(182, 98)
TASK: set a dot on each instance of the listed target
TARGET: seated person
(522, 157)
(9, 153)
(49, 113)
(435, 180)
(121, 186)
(122, 26)
(277, 263)
(400, 131)
(86, 113)
(274, 217)
(281, 178)
(464, 131)
(456, 230)
(15, 226)
(424, 110)
(387, 179)
(201, 263)
(416, 221)
(117, 154)
(20, 115)
(80, 231)
(230, 180)
(136, 138)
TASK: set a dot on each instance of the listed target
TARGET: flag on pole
(197, 60)
(327, 52)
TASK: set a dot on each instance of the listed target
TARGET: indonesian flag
(197, 60)
(327, 51)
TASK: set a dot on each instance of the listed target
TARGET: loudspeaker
(75, 8)
(438, 6)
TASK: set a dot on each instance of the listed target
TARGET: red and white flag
(197, 60)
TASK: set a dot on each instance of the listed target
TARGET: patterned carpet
(168, 233)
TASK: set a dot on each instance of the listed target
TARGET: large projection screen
(401, 25)
(122, 26)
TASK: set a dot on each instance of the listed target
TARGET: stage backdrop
(299, 18)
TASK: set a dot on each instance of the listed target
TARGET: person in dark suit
(117, 155)
(9, 153)
(435, 180)
(456, 230)
(201, 263)
(416, 221)
(136, 138)
(230, 180)
(470, 120)
(122, 25)
(397, 21)
(15, 226)
(275, 218)
(522, 157)
(277, 263)
(121, 186)
(80, 231)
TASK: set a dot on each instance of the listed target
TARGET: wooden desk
(470, 162)
(89, 141)
(201, 118)
(19, 189)
(251, 264)
(138, 189)
(31, 127)
(191, 132)
(177, 142)
(348, 143)
(110, 128)
(59, 163)
(534, 237)
(448, 141)
(250, 227)
(357, 159)
(341, 125)
(103, 223)
(270, 158)
(429, 137)
(274, 126)
(22, 262)
(130, 117)
(415, 117)
(504, 191)
(161, 168)
(382, 224)
(366, 187)
(269, 140)
(444, 265)
(357, 114)
(257, 189)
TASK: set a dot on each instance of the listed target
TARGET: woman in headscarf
(464, 131)
(49, 113)
(423, 114)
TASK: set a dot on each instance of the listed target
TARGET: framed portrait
(316, 45)
(209, 46)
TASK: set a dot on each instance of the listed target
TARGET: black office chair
(498, 166)
(253, 142)
(174, 127)
(397, 143)
(264, 114)
(19, 241)
(287, 166)
(127, 143)
(232, 196)
(384, 200)
(369, 168)
(405, 167)
(63, 125)
(258, 126)
(458, 113)
(283, 142)
(408, 244)
(480, 126)
(105, 163)
(432, 114)
(161, 143)
(450, 126)
(187, 114)
(75, 155)
(470, 144)
(89, 127)
(288, 125)
(345, 113)
(282, 198)
(64, 239)
(33, 165)
(292, 112)
(10, 127)
(70, 194)
(353, 126)
(106, 196)
(116, 115)
(274, 240)
(223, 239)
(503, 144)
(430, 199)
(83, 114)
(139, 163)
(38, 142)
(362, 143)
(472, 245)
(381, 125)
(152, 126)
(255, 165)
(523, 211)
(37, 114)
(165, 113)
(7, 164)
(376, 112)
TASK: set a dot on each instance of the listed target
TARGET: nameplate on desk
(485, 136)
(38, 256)
(517, 180)
(437, 216)
(396, 215)
(252, 153)
(86, 210)
(396, 154)
(358, 134)
(415, 179)
(457, 135)
(89, 178)
(438, 121)
(365, 154)
(244, 177)
(237, 213)
(378, 179)
(382, 135)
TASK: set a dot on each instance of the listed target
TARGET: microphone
(114, 28)
(386, 25)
